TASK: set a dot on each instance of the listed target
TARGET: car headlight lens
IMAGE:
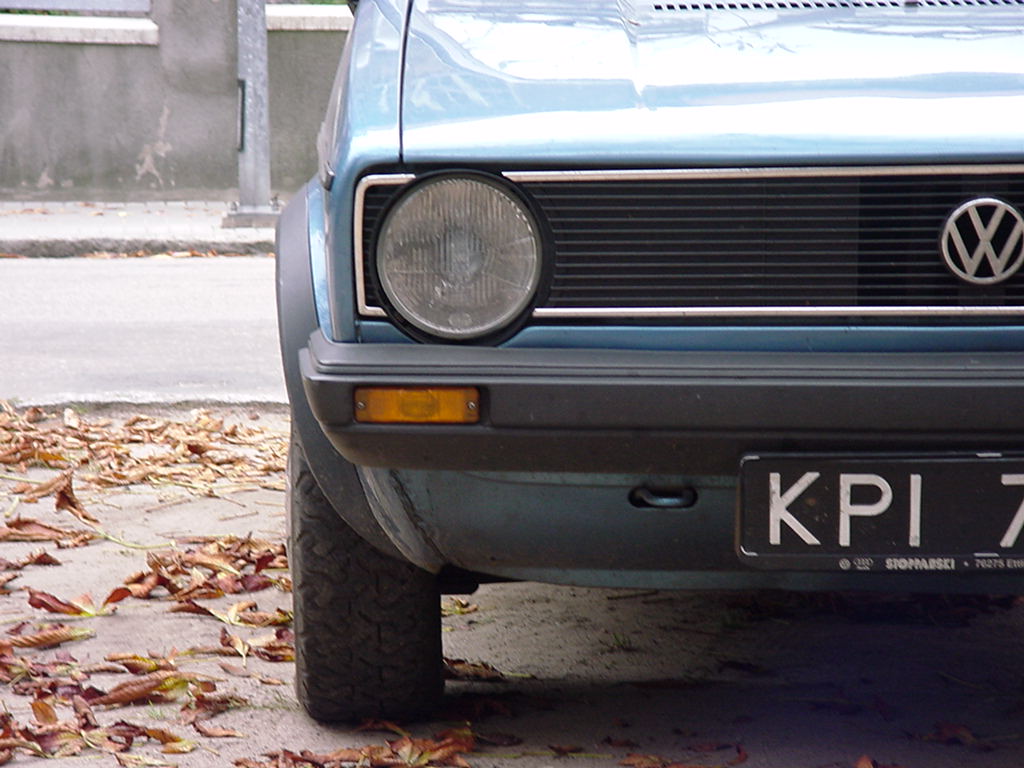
(459, 257)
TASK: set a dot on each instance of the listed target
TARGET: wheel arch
(297, 319)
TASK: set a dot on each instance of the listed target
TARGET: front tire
(367, 626)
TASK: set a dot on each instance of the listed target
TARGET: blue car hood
(602, 83)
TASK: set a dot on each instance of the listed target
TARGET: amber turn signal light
(417, 405)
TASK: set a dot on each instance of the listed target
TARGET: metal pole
(254, 207)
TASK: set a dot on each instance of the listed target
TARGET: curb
(48, 229)
(62, 248)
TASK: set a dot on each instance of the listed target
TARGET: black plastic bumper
(666, 412)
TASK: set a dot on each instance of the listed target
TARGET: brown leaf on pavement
(155, 686)
(213, 732)
(84, 715)
(250, 617)
(41, 490)
(39, 557)
(234, 642)
(223, 565)
(27, 529)
(195, 453)
(406, 752)
(277, 647)
(239, 614)
(44, 713)
(142, 584)
(47, 637)
(79, 606)
(957, 734)
(15, 669)
(172, 743)
(203, 706)
(142, 665)
(36, 557)
(460, 669)
(190, 606)
(117, 595)
(457, 606)
(68, 502)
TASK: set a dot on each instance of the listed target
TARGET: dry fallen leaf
(278, 646)
(957, 733)
(79, 606)
(47, 637)
(44, 712)
(457, 606)
(138, 664)
(27, 529)
(223, 565)
(163, 685)
(203, 706)
(234, 454)
(213, 732)
(243, 614)
(460, 669)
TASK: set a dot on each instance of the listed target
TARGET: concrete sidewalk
(61, 229)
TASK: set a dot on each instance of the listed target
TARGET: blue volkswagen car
(696, 295)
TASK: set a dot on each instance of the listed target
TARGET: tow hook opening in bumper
(643, 497)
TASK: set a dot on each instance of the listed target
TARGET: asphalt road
(153, 330)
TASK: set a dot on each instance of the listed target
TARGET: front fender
(297, 319)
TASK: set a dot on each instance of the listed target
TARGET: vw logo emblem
(983, 241)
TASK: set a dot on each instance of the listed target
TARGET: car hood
(600, 82)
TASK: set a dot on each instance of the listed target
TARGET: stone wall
(137, 108)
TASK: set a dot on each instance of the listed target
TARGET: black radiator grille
(840, 241)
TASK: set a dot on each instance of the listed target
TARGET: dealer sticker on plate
(962, 513)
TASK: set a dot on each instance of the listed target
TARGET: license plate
(882, 514)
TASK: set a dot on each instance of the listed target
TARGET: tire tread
(367, 626)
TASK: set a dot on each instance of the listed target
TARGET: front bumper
(698, 413)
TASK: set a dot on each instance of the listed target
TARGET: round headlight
(459, 257)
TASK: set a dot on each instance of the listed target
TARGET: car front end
(693, 295)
